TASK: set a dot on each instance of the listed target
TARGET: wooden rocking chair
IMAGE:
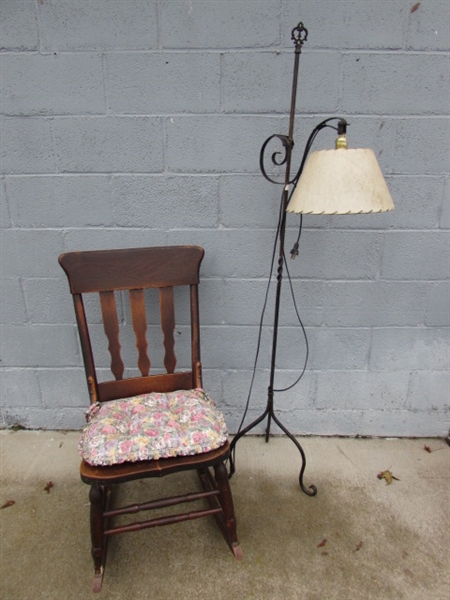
(146, 425)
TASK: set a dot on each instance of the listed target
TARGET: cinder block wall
(139, 122)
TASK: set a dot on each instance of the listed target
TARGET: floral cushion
(152, 426)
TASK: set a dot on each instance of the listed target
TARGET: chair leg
(97, 500)
(226, 501)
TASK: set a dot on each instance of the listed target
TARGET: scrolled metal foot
(311, 490)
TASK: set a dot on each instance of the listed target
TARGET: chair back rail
(134, 386)
(167, 311)
(126, 269)
(195, 331)
(139, 320)
(111, 327)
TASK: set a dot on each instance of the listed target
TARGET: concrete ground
(382, 541)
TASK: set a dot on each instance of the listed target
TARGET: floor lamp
(329, 182)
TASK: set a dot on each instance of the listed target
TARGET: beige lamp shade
(341, 182)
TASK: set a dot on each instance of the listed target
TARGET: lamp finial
(299, 36)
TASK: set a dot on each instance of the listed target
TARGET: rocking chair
(144, 425)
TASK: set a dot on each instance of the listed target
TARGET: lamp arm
(288, 145)
(341, 128)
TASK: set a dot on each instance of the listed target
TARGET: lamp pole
(299, 36)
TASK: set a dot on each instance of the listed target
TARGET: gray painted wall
(139, 122)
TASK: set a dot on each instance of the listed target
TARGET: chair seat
(128, 471)
(151, 427)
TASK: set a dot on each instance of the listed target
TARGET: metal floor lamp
(339, 181)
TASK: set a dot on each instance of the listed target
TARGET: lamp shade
(341, 182)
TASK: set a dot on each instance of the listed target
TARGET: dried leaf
(388, 476)
(322, 543)
(17, 427)
(415, 7)
(358, 547)
(8, 503)
(48, 487)
(430, 450)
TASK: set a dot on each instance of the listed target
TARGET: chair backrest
(134, 270)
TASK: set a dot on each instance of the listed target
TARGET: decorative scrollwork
(278, 162)
(299, 35)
